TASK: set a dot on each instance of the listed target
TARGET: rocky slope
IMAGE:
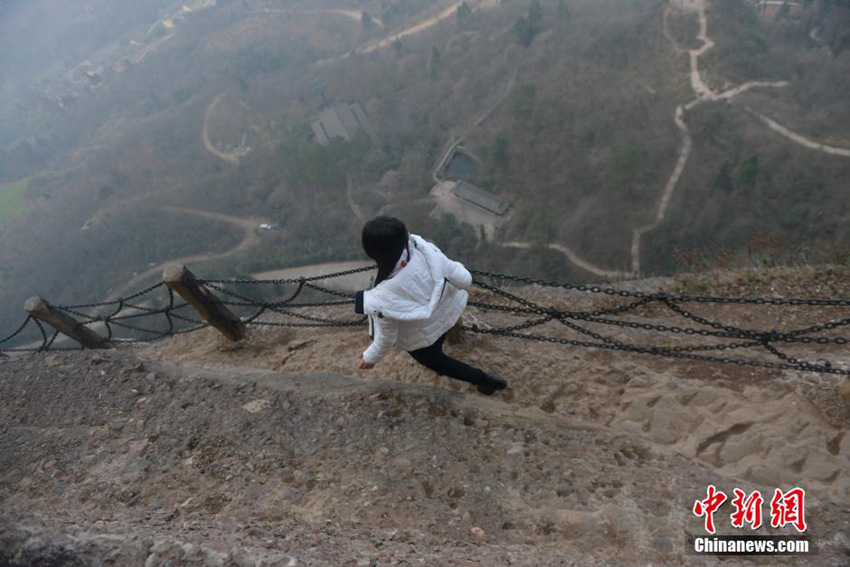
(115, 458)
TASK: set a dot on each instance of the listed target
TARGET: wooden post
(455, 334)
(64, 323)
(184, 283)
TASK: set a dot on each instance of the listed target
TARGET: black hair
(384, 239)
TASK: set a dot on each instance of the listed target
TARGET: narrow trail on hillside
(704, 93)
(797, 138)
(428, 23)
(205, 135)
(667, 11)
(413, 29)
(355, 209)
(573, 257)
(687, 145)
(250, 237)
(147, 50)
(350, 14)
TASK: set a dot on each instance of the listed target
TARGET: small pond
(461, 166)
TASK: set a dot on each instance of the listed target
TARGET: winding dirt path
(794, 137)
(350, 14)
(205, 135)
(667, 11)
(574, 258)
(414, 29)
(704, 93)
(250, 237)
(669, 189)
(732, 93)
(147, 50)
(355, 209)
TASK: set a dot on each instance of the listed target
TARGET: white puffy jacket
(420, 302)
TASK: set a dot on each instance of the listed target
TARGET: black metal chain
(277, 308)
(17, 331)
(753, 339)
(671, 297)
(663, 351)
(517, 306)
(234, 281)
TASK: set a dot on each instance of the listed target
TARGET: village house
(341, 121)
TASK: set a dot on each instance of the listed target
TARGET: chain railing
(149, 315)
(111, 316)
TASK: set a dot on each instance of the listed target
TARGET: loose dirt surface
(116, 460)
(271, 451)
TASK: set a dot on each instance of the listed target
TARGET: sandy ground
(276, 451)
(164, 463)
(764, 426)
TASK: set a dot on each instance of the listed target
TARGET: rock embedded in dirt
(843, 389)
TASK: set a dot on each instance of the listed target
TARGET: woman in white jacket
(418, 296)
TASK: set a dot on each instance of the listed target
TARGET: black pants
(434, 358)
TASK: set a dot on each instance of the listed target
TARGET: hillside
(198, 451)
(629, 136)
(191, 464)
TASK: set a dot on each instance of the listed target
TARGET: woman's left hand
(365, 365)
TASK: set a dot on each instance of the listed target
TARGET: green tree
(464, 14)
(315, 168)
(528, 26)
(535, 16)
(435, 63)
(499, 153)
(523, 103)
(496, 162)
(625, 170)
(564, 11)
(723, 177)
(366, 20)
(748, 171)
(524, 31)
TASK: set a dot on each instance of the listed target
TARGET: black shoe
(490, 384)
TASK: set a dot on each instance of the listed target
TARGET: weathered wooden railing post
(455, 334)
(185, 284)
(64, 323)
